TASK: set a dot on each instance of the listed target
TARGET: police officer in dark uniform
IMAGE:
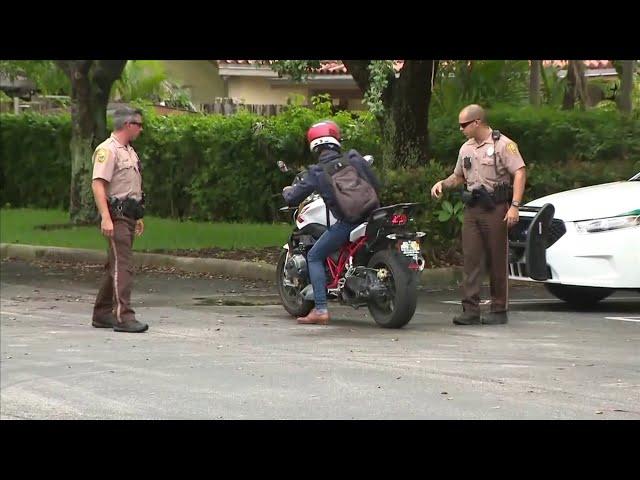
(487, 163)
(117, 189)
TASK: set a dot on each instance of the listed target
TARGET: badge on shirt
(513, 148)
(467, 162)
(101, 155)
(490, 151)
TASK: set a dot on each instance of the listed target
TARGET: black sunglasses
(136, 123)
(466, 124)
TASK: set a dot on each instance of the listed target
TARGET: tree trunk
(581, 84)
(91, 82)
(406, 100)
(569, 99)
(407, 121)
(624, 99)
(534, 82)
(576, 85)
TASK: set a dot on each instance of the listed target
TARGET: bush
(224, 168)
(548, 135)
(36, 169)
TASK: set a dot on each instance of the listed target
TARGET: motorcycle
(378, 267)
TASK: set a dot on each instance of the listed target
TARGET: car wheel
(578, 296)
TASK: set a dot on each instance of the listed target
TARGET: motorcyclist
(324, 141)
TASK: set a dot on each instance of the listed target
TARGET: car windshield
(635, 178)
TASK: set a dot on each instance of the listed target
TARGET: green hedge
(224, 168)
(36, 169)
(549, 135)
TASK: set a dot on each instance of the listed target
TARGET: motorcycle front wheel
(289, 296)
(399, 305)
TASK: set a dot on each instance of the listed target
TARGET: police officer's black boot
(467, 318)
(495, 318)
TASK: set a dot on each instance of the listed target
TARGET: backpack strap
(329, 169)
(335, 165)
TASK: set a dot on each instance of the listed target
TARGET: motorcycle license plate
(410, 248)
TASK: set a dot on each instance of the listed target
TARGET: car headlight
(606, 224)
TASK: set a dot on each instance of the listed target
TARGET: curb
(431, 278)
(249, 270)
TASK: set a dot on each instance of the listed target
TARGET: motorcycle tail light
(399, 219)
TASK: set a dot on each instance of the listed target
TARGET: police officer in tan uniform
(117, 189)
(487, 163)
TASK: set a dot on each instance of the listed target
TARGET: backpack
(355, 197)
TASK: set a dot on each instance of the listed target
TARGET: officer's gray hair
(124, 115)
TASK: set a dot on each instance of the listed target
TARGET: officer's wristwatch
(516, 204)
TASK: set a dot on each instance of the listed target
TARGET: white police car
(592, 244)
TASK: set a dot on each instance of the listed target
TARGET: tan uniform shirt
(118, 165)
(483, 158)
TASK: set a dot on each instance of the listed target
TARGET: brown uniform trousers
(115, 292)
(485, 245)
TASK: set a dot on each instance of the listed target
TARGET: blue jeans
(330, 241)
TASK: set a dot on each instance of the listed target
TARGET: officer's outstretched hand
(512, 217)
(106, 225)
(436, 190)
(139, 227)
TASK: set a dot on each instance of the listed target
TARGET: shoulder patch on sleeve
(101, 155)
(512, 147)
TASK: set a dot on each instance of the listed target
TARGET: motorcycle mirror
(369, 159)
(282, 166)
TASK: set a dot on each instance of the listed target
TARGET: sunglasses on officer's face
(466, 124)
(136, 123)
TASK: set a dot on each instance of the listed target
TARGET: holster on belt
(128, 207)
(478, 196)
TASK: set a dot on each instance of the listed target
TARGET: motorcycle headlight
(607, 224)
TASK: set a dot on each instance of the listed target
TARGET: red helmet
(322, 133)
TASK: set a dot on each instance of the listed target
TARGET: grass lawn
(18, 226)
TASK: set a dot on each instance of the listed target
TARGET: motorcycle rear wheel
(400, 304)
